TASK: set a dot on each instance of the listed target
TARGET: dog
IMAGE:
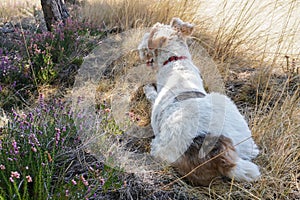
(201, 135)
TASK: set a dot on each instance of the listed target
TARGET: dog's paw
(150, 92)
(149, 88)
(245, 170)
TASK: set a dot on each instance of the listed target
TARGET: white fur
(176, 124)
(245, 170)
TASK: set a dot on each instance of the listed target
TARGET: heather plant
(35, 150)
(39, 58)
(29, 145)
(52, 52)
(14, 79)
(11, 69)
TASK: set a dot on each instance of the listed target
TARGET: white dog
(193, 129)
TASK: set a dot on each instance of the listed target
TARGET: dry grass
(276, 130)
(11, 9)
(265, 31)
(250, 56)
(128, 14)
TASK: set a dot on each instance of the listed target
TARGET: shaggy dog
(202, 135)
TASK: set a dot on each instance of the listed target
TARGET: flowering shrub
(28, 148)
(33, 142)
(11, 69)
(51, 52)
(14, 77)
(45, 54)
(38, 58)
(34, 162)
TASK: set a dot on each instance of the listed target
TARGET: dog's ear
(157, 42)
(185, 28)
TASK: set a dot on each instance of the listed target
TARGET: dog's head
(164, 38)
(145, 53)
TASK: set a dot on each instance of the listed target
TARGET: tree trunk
(54, 10)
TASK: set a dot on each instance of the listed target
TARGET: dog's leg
(245, 170)
(150, 92)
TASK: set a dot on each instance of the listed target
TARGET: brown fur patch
(155, 43)
(225, 160)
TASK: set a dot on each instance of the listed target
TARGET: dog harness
(188, 95)
(174, 58)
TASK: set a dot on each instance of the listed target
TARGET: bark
(54, 11)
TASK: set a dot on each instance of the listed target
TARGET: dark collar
(188, 95)
(174, 58)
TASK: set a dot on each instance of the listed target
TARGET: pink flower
(57, 136)
(67, 193)
(74, 182)
(33, 149)
(107, 110)
(2, 167)
(15, 146)
(15, 174)
(85, 182)
(29, 179)
(131, 114)
(11, 179)
(102, 181)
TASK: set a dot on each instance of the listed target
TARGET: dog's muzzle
(150, 62)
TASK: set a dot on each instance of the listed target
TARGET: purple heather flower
(11, 179)
(74, 182)
(57, 136)
(89, 189)
(33, 140)
(15, 174)
(41, 101)
(2, 167)
(33, 149)
(29, 179)
(30, 117)
(14, 84)
(84, 181)
(15, 146)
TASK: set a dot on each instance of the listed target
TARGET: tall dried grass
(15, 8)
(276, 129)
(241, 36)
(127, 14)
